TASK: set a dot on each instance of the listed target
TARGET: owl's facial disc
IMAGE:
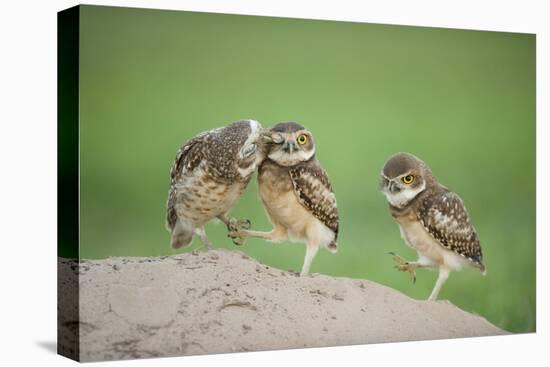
(289, 148)
(402, 189)
(248, 150)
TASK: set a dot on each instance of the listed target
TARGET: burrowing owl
(296, 193)
(432, 219)
(208, 176)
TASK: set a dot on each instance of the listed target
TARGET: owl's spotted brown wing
(446, 219)
(188, 158)
(314, 191)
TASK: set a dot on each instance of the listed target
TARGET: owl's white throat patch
(403, 197)
(290, 159)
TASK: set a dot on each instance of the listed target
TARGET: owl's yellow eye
(408, 179)
(302, 139)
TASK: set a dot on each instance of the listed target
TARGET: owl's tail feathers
(182, 234)
(478, 263)
(333, 247)
(180, 240)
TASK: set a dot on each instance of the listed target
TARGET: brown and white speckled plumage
(432, 219)
(296, 194)
(314, 191)
(208, 176)
(445, 217)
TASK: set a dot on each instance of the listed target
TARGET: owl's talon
(238, 224)
(398, 258)
(238, 241)
(404, 266)
(236, 237)
(411, 269)
(234, 228)
(244, 224)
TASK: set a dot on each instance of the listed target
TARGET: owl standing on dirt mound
(432, 219)
(296, 193)
(208, 176)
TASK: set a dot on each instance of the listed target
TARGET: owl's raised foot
(404, 265)
(237, 236)
(235, 230)
(239, 241)
(238, 224)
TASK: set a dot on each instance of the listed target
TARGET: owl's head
(242, 140)
(290, 143)
(404, 177)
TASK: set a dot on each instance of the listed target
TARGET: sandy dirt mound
(223, 301)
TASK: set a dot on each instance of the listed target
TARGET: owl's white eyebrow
(387, 178)
(405, 174)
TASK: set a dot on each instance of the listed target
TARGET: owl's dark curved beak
(393, 188)
(290, 147)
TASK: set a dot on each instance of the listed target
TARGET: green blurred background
(463, 101)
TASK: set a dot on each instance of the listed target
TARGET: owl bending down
(208, 176)
(296, 194)
(432, 219)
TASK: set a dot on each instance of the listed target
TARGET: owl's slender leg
(224, 219)
(311, 251)
(443, 275)
(238, 234)
(204, 239)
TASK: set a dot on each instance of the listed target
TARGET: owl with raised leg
(296, 193)
(208, 176)
(432, 219)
